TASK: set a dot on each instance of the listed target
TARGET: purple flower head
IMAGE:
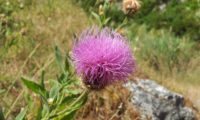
(102, 57)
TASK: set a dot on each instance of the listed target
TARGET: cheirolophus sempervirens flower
(102, 56)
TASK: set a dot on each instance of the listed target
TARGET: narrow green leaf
(59, 60)
(67, 64)
(67, 101)
(45, 110)
(80, 103)
(34, 87)
(63, 78)
(21, 115)
(39, 111)
(106, 21)
(2, 91)
(1, 115)
(72, 92)
(69, 115)
(97, 17)
(42, 79)
(73, 107)
(59, 57)
(54, 90)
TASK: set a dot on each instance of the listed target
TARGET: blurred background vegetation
(165, 37)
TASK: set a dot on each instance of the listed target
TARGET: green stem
(84, 93)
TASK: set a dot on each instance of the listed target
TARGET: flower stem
(83, 94)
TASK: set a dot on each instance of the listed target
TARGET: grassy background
(32, 29)
(29, 29)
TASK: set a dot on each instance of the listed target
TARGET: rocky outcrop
(157, 103)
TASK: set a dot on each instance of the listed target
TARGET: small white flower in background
(50, 101)
(21, 5)
(7, 3)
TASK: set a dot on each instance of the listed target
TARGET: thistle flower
(102, 57)
(101, 10)
(131, 6)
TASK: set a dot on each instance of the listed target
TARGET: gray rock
(157, 103)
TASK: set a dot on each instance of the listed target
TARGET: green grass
(35, 27)
(166, 54)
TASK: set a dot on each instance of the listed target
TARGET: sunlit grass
(45, 24)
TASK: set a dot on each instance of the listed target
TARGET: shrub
(180, 16)
(162, 51)
(158, 14)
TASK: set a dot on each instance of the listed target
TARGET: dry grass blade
(21, 69)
